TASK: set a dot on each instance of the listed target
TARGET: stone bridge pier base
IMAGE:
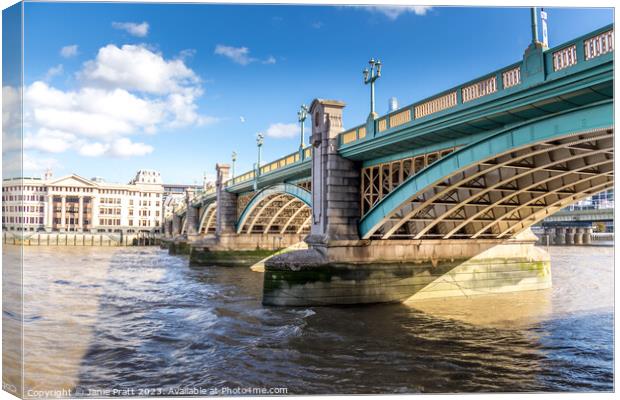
(339, 268)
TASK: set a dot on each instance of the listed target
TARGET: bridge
(433, 199)
(584, 215)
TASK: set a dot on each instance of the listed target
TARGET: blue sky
(228, 72)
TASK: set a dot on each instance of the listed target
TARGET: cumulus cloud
(11, 109)
(52, 72)
(282, 131)
(122, 147)
(122, 92)
(135, 67)
(139, 30)
(393, 12)
(69, 51)
(51, 141)
(240, 55)
(22, 165)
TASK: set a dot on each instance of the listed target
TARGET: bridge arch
(278, 209)
(502, 184)
(208, 218)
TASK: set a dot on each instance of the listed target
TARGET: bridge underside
(277, 213)
(505, 194)
(207, 219)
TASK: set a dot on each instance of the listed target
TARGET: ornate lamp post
(370, 76)
(260, 138)
(234, 160)
(301, 117)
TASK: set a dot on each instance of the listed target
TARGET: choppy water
(137, 318)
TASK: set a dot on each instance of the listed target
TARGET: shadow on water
(164, 325)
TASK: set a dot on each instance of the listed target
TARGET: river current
(138, 320)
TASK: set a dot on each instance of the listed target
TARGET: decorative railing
(512, 77)
(273, 166)
(242, 178)
(435, 105)
(353, 134)
(594, 45)
(479, 89)
(565, 58)
(400, 118)
(599, 45)
(279, 163)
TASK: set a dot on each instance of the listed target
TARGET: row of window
(23, 188)
(109, 211)
(75, 190)
(22, 198)
(22, 209)
(23, 220)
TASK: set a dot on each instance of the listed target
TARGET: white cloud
(27, 165)
(52, 72)
(240, 55)
(94, 149)
(126, 148)
(122, 147)
(122, 92)
(11, 107)
(69, 51)
(282, 131)
(135, 67)
(393, 12)
(139, 30)
(51, 141)
(92, 112)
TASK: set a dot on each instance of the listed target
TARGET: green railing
(578, 51)
(286, 161)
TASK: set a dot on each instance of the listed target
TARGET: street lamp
(301, 117)
(370, 76)
(260, 138)
(234, 160)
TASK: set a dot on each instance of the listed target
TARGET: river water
(137, 319)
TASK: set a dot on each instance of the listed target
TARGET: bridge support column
(570, 236)
(191, 216)
(560, 236)
(578, 236)
(587, 236)
(226, 209)
(176, 225)
(335, 180)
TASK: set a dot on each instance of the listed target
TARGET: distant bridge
(603, 215)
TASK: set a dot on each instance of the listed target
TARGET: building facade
(76, 204)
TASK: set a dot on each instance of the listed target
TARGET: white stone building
(76, 204)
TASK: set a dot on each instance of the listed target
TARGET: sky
(113, 88)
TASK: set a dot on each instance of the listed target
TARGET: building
(76, 204)
(599, 201)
